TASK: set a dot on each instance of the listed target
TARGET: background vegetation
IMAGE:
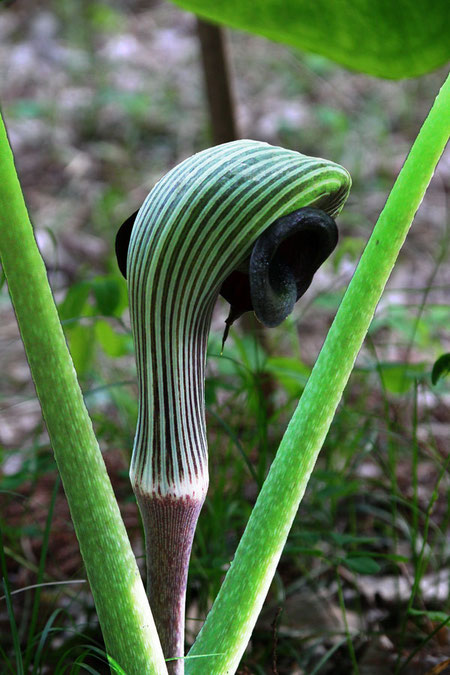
(100, 101)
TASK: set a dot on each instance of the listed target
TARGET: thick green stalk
(229, 625)
(127, 623)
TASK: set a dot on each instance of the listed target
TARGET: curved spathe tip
(281, 267)
(236, 193)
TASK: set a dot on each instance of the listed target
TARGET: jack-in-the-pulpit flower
(253, 222)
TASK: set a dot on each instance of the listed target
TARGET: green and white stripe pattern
(198, 224)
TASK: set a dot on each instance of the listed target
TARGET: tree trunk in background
(217, 82)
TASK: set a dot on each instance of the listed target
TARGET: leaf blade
(390, 40)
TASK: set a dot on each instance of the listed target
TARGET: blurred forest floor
(100, 100)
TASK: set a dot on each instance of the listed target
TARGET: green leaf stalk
(230, 622)
(125, 617)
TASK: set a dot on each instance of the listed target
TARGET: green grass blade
(44, 635)
(237, 443)
(12, 620)
(348, 635)
(327, 656)
(423, 644)
(7, 665)
(40, 577)
(101, 655)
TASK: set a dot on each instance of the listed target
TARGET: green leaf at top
(404, 38)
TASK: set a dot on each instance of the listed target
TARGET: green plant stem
(229, 625)
(125, 617)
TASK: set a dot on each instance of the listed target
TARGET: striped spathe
(198, 224)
